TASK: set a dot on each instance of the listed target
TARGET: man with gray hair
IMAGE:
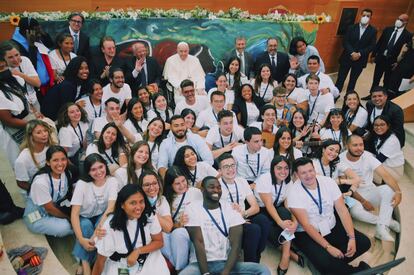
(182, 66)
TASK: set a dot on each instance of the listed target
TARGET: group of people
(99, 151)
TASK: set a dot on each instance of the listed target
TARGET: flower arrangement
(277, 15)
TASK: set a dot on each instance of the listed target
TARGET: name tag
(123, 271)
(34, 216)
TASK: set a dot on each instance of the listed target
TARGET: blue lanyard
(334, 135)
(80, 138)
(179, 206)
(52, 193)
(130, 246)
(221, 138)
(237, 191)
(214, 114)
(193, 177)
(94, 110)
(323, 170)
(314, 200)
(314, 103)
(278, 193)
(224, 232)
(258, 165)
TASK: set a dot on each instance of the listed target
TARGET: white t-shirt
(253, 113)
(392, 150)
(99, 123)
(28, 69)
(324, 103)
(121, 174)
(57, 62)
(72, 138)
(360, 119)
(130, 127)
(163, 114)
(298, 198)
(230, 79)
(229, 96)
(265, 90)
(235, 192)
(216, 244)
(323, 170)
(124, 94)
(93, 199)
(259, 125)
(203, 170)
(93, 111)
(296, 153)
(208, 118)
(192, 196)
(201, 103)
(155, 151)
(162, 207)
(217, 140)
(299, 95)
(41, 191)
(332, 134)
(264, 184)
(375, 112)
(248, 166)
(364, 167)
(25, 168)
(114, 241)
(93, 148)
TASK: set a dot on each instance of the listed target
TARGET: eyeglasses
(149, 185)
(76, 21)
(230, 166)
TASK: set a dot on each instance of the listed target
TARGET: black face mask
(5, 75)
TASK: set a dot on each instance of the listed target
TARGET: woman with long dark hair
(264, 83)
(154, 135)
(284, 146)
(92, 201)
(296, 96)
(133, 237)
(247, 105)
(92, 101)
(195, 171)
(111, 146)
(335, 128)
(136, 121)
(235, 78)
(145, 97)
(180, 196)
(190, 118)
(161, 109)
(62, 55)
(47, 206)
(301, 51)
(356, 116)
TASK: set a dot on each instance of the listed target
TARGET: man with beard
(180, 137)
(216, 231)
(117, 87)
(386, 196)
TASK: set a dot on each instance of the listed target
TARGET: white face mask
(398, 23)
(364, 20)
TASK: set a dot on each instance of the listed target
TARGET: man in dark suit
(247, 62)
(144, 70)
(358, 43)
(278, 61)
(380, 105)
(80, 39)
(388, 48)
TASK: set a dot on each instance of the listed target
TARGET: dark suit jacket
(83, 49)
(364, 45)
(396, 116)
(248, 62)
(382, 43)
(282, 66)
(153, 73)
(98, 64)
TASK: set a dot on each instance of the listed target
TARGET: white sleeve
(39, 192)
(361, 118)
(263, 185)
(391, 147)
(154, 224)
(112, 188)
(163, 209)
(77, 198)
(65, 137)
(194, 217)
(128, 92)
(295, 198)
(20, 169)
(106, 246)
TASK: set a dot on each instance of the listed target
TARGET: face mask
(152, 200)
(5, 75)
(364, 20)
(398, 23)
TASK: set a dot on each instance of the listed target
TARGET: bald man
(388, 47)
(182, 66)
(144, 69)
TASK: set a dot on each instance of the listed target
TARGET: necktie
(143, 76)
(76, 42)
(273, 62)
(241, 63)
(392, 42)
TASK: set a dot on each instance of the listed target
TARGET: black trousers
(320, 257)
(343, 71)
(255, 236)
(382, 67)
(275, 229)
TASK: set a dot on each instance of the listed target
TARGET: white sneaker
(383, 233)
(395, 226)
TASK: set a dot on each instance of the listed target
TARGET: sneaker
(395, 226)
(363, 266)
(383, 233)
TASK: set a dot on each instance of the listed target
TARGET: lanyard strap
(193, 176)
(131, 245)
(214, 114)
(319, 204)
(110, 158)
(52, 193)
(278, 193)
(314, 103)
(237, 191)
(179, 206)
(265, 92)
(349, 118)
(223, 231)
(94, 110)
(258, 165)
(221, 138)
(80, 138)
(334, 135)
(323, 170)
(63, 58)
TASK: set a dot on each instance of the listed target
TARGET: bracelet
(351, 237)
(327, 246)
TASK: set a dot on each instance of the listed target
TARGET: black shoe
(7, 218)
(363, 266)
(18, 212)
(368, 97)
(281, 271)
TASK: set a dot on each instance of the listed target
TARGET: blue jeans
(87, 226)
(177, 247)
(218, 266)
(47, 225)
